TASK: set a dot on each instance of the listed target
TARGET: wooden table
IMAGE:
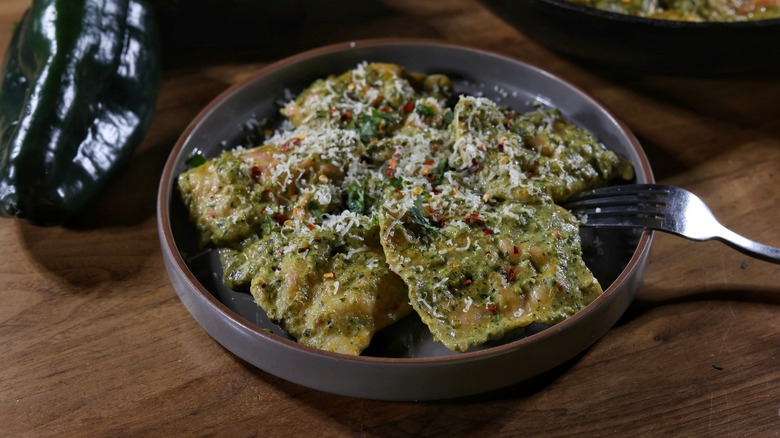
(94, 340)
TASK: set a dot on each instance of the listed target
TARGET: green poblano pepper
(77, 93)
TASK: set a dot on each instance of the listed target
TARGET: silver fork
(664, 208)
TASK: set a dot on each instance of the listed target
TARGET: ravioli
(483, 275)
(530, 157)
(236, 194)
(329, 287)
(385, 194)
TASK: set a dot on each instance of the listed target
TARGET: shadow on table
(201, 32)
(466, 415)
(721, 114)
(737, 293)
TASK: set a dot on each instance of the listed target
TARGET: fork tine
(661, 207)
(646, 191)
(626, 206)
(621, 200)
(650, 189)
(623, 222)
(607, 209)
(608, 201)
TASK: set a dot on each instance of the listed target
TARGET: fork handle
(749, 247)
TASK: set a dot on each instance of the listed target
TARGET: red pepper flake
(390, 172)
(286, 146)
(428, 162)
(560, 287)
(317, 238)
(515, 249)
(434, 147)
(467, 282)
(500, 147)
(280, 218)
(437, 218)
(408, 107)
(346, 117)
(510, 274)
(492, 308)
(300, 250)
(487, 231)
(473, 218)
(310, 226)
(255, 171)
(385, 109)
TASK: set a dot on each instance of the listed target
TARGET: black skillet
(618, 42)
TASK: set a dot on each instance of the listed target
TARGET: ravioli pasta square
(485, 274)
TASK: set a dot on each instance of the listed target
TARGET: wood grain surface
(94, 341)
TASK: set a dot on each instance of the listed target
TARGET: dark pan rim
(664, 24)
(165, 195)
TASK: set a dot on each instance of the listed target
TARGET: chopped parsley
(438, 174)
(396, 182)
(196, 160)
(447, 118)
(375, 125)
(418, 217)
(356, 199)
(425, 110)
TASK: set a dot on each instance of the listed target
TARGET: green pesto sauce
(478, 280)
(386, 194)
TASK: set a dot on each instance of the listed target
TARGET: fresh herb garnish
(374, 125)
(396, 182)
(196, 160)
(418, 217)
(438, 173)
(356, 199)
(314, 207)
(425, 110)
(447, 119)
